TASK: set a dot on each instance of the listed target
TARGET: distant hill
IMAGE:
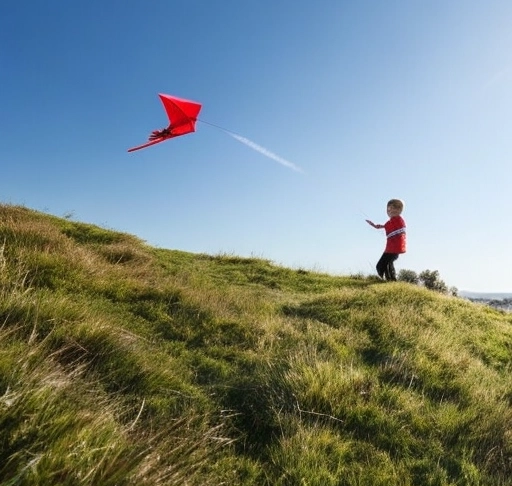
(124, 364)
(501, 301)
(485, 295)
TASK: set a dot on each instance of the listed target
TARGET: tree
(431, 280)
(409, 276)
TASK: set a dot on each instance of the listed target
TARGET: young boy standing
(396, 241)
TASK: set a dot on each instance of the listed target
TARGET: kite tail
(257, 148)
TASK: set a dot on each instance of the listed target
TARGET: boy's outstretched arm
(377, 226)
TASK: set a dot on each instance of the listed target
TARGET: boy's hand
(378, 226)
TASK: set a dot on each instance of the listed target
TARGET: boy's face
(392, 211)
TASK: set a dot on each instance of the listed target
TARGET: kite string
(219, 127)
(363, 213)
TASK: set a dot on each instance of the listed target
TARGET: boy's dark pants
(385, 267)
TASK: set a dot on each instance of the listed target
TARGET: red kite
(182, 117)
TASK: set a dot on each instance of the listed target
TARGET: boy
(396, 241)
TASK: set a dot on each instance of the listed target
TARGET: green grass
(123, 364)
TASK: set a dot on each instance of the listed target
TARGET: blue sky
(372, 100)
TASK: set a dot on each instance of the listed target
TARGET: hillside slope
(123, 364)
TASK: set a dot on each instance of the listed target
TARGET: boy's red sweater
(395, 234)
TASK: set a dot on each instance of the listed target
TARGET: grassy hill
(123, 364)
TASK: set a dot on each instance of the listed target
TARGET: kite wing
(182, 120)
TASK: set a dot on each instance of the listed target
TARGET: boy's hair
(396, 204)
